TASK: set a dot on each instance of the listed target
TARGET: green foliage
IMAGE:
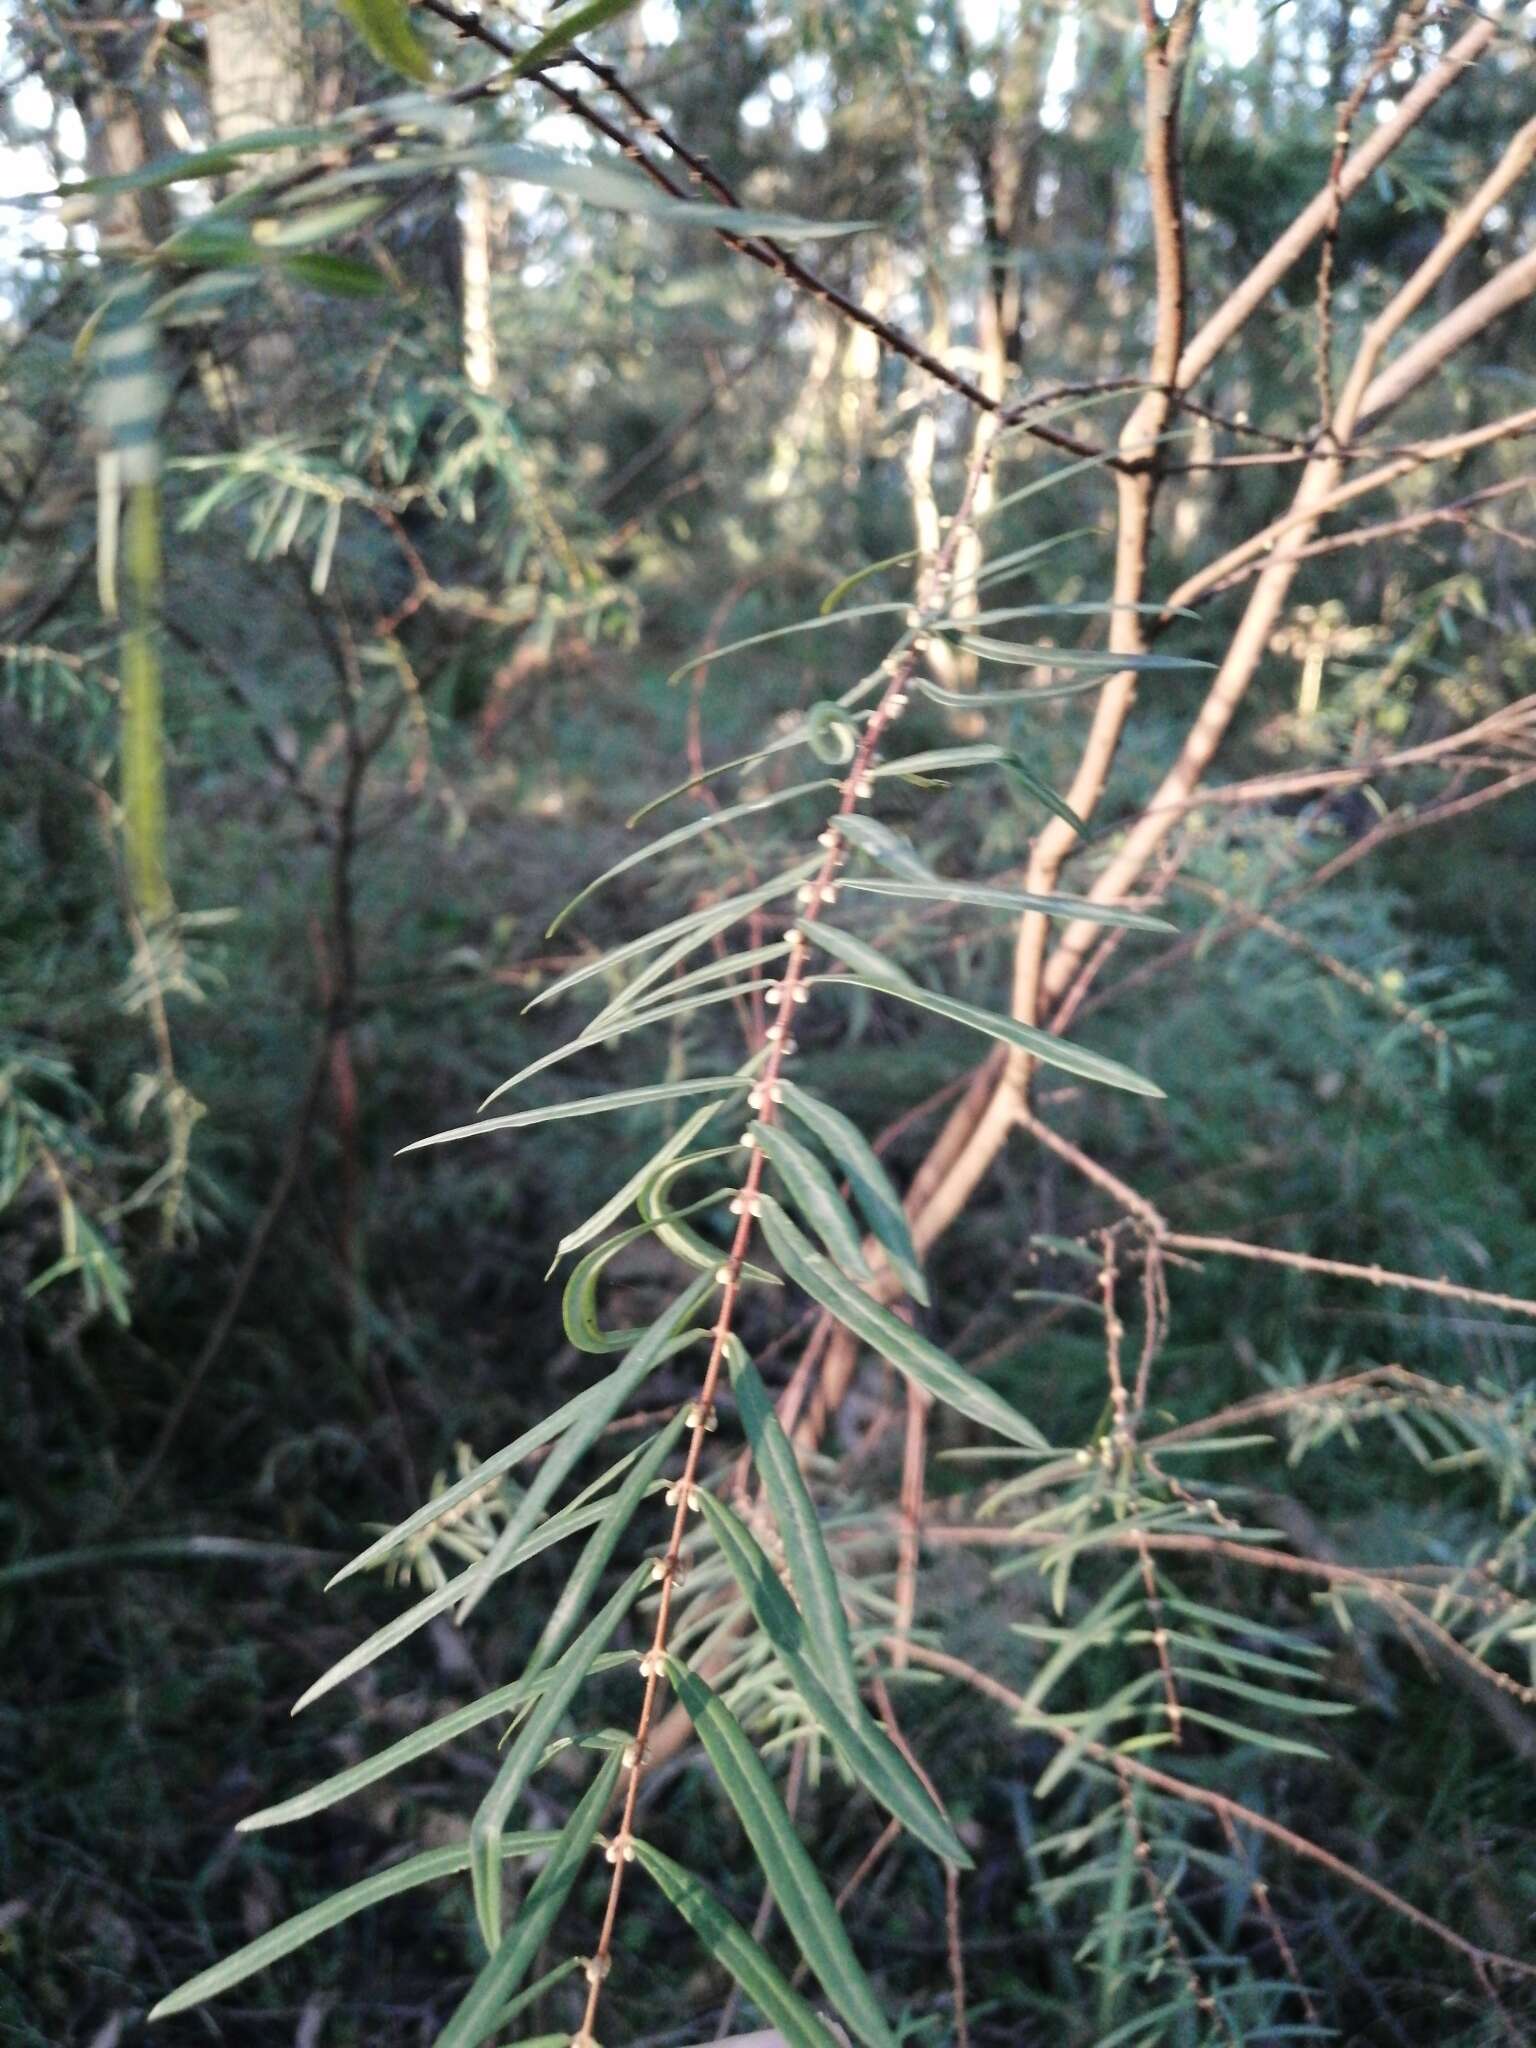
(416, 649)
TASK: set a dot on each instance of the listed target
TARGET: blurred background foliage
(432, 549)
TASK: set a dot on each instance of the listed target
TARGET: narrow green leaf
(404, 1625)
(618, 1388)
(714, 654)
(792, 1878)
(786, 743)
(616, 1204)
(840, 590)
(1264, 1695)
(735, 1950)
(482, 2010)
(811, 1570)
(385, 27)
(892, 849)
(357, 1898)
(1044, 1045)
(831, 732)
(857, 954)
(809, 1184)
(601, 1545)
(933, 760)
(636, 1020)
(1043, 793)
(687, 1244)
(330, 1791)
(578, 1304)
(872, 1187)
(583, 1105)
(579, 22)
(695, 925)
(602, 1400)
(1018, 654)
(866, 1750)
(345, 277)
(745, 221)
(895, 1340)
(528, 1746)
(972, 700)
(712, 821)
(727, 965)
(1023, 558)
(932, 889)
(1260, 1738)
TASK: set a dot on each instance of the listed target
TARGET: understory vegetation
(767, 844)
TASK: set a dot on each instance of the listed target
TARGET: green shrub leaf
(797, 1889)
(735, 1950)
(528, 1746)
(484, 2006)
(1048, 1049)
(895, 1340)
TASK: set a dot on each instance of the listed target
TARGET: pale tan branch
(1501, 294)
(1443, 448)
(1240, 305)
(1374, 1276)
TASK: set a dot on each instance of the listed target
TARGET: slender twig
(792, 992)
(1220, 1805)
(1373, 1276)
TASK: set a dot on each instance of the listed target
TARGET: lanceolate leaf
(735, 1950)
(809, 1184)
(854, 953)
(1018, 654)
(528, 1746)
(714, 654)
(578, 1306)
(811, 1572)
(618, 1387)
(584, 1105)
(891, 849)
(483, 2009)
(473, 1581)
(687, 1244)
(934, 760)
(637, 1020)
(696, 926)
(712, 821)
(865, 1749)
(603, 1401)
(877, 1198)
(895, 1340)
(932, 889)
(1042, 792)
(1040, 693)
(579, 22)
(505, 1700)
(283, 1940)
(622, 1198)
(799, 1892)
(730, 964)
(385, 27)
(1044, 1045)
(601, 1545)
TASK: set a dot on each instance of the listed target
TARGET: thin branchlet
(792, 993)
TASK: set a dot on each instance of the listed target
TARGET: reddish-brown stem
(793, 992)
